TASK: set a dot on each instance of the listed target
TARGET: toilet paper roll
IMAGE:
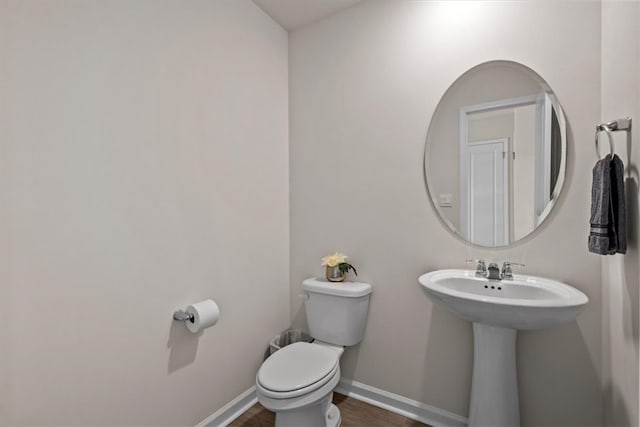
(205, 314)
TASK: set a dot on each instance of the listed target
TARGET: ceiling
(292, 14)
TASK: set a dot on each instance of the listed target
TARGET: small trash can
(288, 337)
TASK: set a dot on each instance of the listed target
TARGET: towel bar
(615, 125)
(612, 126)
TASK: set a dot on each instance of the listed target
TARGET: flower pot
(334, 274)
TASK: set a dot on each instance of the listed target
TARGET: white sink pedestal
(498, 309)
(494, 386)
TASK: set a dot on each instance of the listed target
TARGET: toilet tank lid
(342, 289)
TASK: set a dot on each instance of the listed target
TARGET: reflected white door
(487, 192)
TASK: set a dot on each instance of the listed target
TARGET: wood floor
(354, 414)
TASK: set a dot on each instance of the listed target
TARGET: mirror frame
(557, 189)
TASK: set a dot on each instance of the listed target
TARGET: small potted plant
(337, 267)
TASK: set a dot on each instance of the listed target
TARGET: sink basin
(526, 302)
(498, 308)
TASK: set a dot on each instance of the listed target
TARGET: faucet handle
(481, 268)
(510, 263)
(506, 269)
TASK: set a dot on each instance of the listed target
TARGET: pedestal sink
(498, 308)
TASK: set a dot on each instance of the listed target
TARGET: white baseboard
(406, 407)
(412, 409)
(232, 410)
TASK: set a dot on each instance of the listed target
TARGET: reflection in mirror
(496, 153)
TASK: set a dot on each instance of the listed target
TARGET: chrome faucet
(493, 272)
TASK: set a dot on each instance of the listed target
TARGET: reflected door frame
(541, 101)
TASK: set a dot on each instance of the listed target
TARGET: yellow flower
(333, 260)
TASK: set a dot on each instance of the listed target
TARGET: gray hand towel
(608, 224)
(600, 236)
(618, 212)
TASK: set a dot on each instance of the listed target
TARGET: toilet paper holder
(183, 316)
(199, 315)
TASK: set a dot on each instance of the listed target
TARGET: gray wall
(621, 274)
(363, 86)
(143, 167)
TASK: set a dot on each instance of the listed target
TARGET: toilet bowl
(297, 382)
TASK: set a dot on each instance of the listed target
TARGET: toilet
(297, 382)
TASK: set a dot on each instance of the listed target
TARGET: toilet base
(333, 416)
(322, 414)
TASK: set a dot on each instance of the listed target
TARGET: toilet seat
(297, 369)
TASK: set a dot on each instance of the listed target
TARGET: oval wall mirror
(495, 154)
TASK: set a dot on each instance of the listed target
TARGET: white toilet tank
(336, 312)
